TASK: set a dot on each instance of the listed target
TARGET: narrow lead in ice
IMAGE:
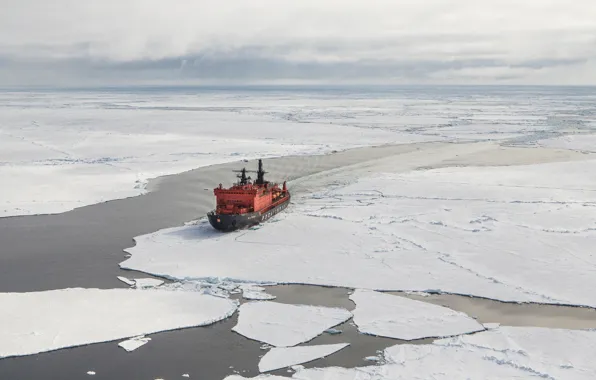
(283, 325)
(402, 318)
(134, 343)
(44, 321)
(282, 357)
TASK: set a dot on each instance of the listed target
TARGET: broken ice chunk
(402, 318)
(288, 356)
(285, 325)
(134, 343)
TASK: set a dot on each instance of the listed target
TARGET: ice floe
(253, 292)
(43, 321)
(141, 283)
(457, 230)
(502, 353)
(134, 343)
(145, 283)
(402, 318)
(284, 325)
(281, 357)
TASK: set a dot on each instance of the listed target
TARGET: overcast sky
(304, 41)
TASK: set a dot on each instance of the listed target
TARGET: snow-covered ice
(59, 151)
(144, 283)
(281, 357)
(37, 322)
(582, 142)
(402, 318)
(456, 230)
(502, 353)
(372, 358)
(134, 343)
(253, 292)
(65, 149)
(284, 325)
(126, 280)
(141, 283)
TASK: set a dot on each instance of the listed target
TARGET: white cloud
(505, 32)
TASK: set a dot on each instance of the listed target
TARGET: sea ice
(98, 147)
(372, 358)
(259, 377)
(253, 292)
(402, 318)
(282, 357)
(455, 230)
(141, 283)
(127, 281)
(145, 283)
(502, 353)
(44, 321)
(61, 150)
(284, 325)
(134, 343)
(581, 142)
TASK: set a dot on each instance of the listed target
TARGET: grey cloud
(130, 41)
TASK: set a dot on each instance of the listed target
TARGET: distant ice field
(61, 150)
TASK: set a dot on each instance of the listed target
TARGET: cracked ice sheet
(452, 230)
(502, 353)
(284, 325)
(37, 322)
(282, 357)
(402, 318)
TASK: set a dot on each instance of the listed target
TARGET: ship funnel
(260, 174)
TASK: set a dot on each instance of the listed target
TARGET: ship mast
(260, 174)
(242, 176)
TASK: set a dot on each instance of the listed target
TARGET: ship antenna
(242, 176)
